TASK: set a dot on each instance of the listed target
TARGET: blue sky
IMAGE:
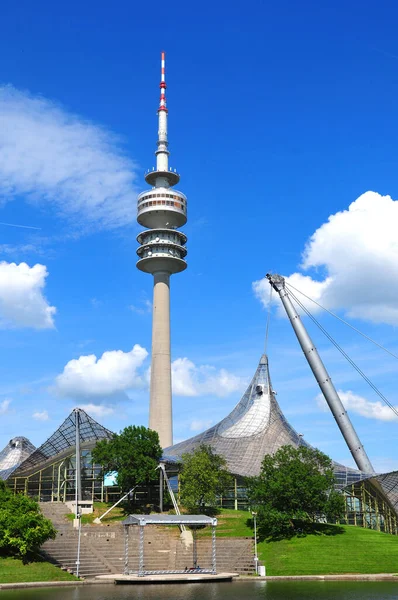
(280, 116)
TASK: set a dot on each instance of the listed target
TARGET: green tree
(134, 454)
(23, 528)
(294, 487)
(335, 506)
(203, 479)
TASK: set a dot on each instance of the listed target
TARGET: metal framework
(55, 481)
(14, 454)
(49, 472)
(389, 483)
(192, 521)
(367, 506)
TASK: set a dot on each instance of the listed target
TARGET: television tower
(162, 210)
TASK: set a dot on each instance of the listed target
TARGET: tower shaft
(160, 404)
(163, 210)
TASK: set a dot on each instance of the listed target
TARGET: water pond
(309, 590)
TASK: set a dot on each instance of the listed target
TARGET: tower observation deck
(162, 210)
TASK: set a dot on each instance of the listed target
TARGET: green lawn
(13, 570)
(356, 550)
(117, 514)
(351, 550)
(232, 523)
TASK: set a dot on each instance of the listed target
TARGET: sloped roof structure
(389, 483)
(17, 450)
(254, 428)
(64, 438)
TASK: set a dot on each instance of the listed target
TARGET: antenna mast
(321, 375)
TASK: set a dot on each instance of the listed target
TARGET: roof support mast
(322, 377)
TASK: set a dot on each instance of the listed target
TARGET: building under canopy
(49, 471)
(257, 426)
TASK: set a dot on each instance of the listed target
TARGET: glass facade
(48, 473)
(55, 482)
(367, 506)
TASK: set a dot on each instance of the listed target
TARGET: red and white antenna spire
(163, 86)
(162, 154)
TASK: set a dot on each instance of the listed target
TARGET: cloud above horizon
(361, 406)
(189, 379)
(41, 416)
(356, 251)
(51, 156)
(114, 372)
(5, 405)
(22, 302)
(98, 410)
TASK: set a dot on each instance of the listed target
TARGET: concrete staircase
(102, 548)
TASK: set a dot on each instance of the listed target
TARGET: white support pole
(254, 514)
(79, 535)
(323, 378)
(78, 476)
(98, 519)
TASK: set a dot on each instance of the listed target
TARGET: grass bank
(13, 570)
(346, 549)
(351, 550)
(231, 523)
(99, 508)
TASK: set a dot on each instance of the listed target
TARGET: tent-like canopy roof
(170, 520)
(65, 437)
(17, 450)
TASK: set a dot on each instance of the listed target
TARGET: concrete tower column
(163, 210)
(160, 404)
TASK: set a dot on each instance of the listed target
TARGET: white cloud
(361, 406)
(117, 372)
(98, 410)
(114, 372)
(191, 380)
(22, 303)
(49, 155)
(4, 406)
(200, 424)
(41, 416)
(357, 250)
(145, 307)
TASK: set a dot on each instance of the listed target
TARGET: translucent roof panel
(389, 483)
(254, 428)
(65, 437)
(17, 450)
